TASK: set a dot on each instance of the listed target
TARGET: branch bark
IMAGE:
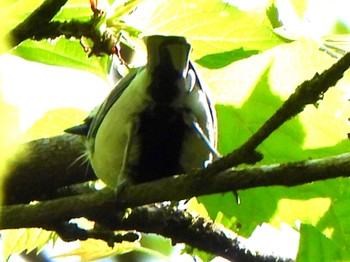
(36, 21)
(55, 162)
(178, 187)
(107, 208)
(182, 227)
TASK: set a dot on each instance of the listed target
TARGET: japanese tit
(157, 122)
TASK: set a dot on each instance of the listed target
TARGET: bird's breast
(160, 132)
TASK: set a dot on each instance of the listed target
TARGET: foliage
(251, 69)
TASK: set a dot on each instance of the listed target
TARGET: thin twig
(71, 232)
(309, 92)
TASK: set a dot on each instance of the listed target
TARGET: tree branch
(309, 92)
(37, 20)
(73, 28)
(182, 227)
(106, 208)
(39, 26)
(178, 187)
(70, 232)
(55, 162)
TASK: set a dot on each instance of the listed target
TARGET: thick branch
(55, 162)
(101, 206)
(182, 227)
(178, 187)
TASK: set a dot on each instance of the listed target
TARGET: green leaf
(219, 60)
(273, 15)
(162, 246)
(125, 8)
(299, 7)
(92, 249)
(248, 92)
(202, 255)
(95, 249)
(211, 26)
(314, 246)
(14, 12)
(78, 12)
(54, 122)
(341, 28)
(16, 241)
(62, 52)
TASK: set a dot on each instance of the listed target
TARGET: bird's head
(168, 63)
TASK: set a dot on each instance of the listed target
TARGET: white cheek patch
(190, 80)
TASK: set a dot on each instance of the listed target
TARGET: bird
(159, 120)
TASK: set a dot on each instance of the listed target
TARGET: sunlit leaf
(62, 52)
(74, 9)
(125, 8)
(314, 246)
(54, 122)
(16, 241)
(58, 97)
(219, 60)
(14, 12)
(273, 16)
(309, 211)
(211, 26)
(197, 208)
(93, 249)
(299, 6)
(247, 93)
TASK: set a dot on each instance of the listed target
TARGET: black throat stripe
(163, 88)
(161, 132)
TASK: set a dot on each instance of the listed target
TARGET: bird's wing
(205, 90)
(111, 99)
(93, 121)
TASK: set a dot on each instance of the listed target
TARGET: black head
(168, 59)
